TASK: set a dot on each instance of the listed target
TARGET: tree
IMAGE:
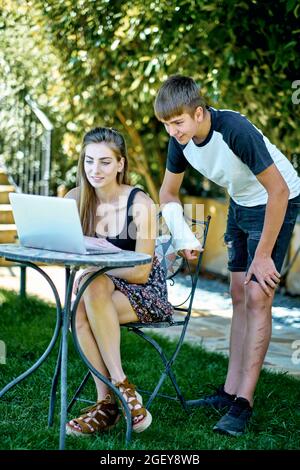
(30, 65)
(113, 56)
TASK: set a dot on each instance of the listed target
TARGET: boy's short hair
(178, 95)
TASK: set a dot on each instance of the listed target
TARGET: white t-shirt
(231, 155)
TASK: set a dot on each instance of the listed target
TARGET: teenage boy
(264, 201)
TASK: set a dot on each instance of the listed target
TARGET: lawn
(26, 328)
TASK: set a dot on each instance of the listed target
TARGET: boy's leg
(237, 333)
(257, 338)
(256, 342)
(249, 337)
(236, 242)
(258, 304)
(258, 313)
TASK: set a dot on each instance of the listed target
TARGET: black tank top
(126, 239)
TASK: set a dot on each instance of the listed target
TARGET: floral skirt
(150, 300)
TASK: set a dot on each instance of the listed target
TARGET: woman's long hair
(87, 202)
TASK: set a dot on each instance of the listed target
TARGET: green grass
(26, 328)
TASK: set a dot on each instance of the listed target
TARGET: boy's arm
(262, 265)
(169, 191)
(173, 214)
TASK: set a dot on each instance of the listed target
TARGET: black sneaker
(235, 422)
(219, 400)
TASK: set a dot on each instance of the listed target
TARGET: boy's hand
(265, 272)
(191, 255)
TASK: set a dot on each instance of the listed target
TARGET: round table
(31, 257)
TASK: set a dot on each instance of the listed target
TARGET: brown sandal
(97, 418)
(135, 403)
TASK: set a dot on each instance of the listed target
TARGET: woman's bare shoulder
(143, 206)
(143, 198)
(73, 194)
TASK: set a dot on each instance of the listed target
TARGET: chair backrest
(173, 263)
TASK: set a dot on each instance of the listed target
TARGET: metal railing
(25, 149)
(25, 144)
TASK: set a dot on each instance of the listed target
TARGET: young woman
(113, 212)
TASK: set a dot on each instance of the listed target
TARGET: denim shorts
(243, 232)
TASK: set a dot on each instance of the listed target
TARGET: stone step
(8, 233)
(5, 189)
(3, 178)
(6, 214)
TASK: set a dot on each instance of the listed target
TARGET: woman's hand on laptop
(93, 242)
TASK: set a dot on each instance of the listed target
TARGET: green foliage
(30, 65)
(113, 56)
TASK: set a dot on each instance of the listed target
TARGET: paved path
(211, 318)
(210, 322)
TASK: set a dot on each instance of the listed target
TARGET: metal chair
(172, 264)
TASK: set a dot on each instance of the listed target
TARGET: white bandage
(183, 237)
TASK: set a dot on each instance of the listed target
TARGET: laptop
(51, 223)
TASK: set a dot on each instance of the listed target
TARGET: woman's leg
(103, 318)
(90, 349)
(106, 309)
